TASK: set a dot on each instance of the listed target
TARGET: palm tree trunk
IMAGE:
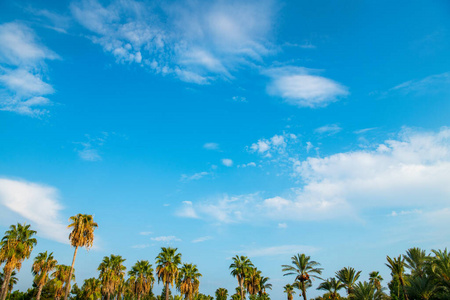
(167, 290)
(5, 284)
(241, 285)
(66, 294)
(38, 296)
(402, 283)
(304, 291)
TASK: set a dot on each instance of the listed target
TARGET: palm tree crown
(239, 267)
(43, 264)
(167, 267)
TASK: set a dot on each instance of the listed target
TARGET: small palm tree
(332, 286)
(43, 264)
(289, 290)
(61, 277)
(91, 288)
(112, 272)
(239, 268)
(221, 294)
(82, 235)
(252, 281)
(348, 276)
(364, 291)
(304, 268)
(16, 246)
(263, 285)
(397, 267)
(141, 278)
(167, 267)
(375, 279)
(188, 280)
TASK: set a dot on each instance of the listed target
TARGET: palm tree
(167, 268)
(366, 291)
(62, 276)
(421, 287)
(440, 269)
(141, 278)
(43, 264)
(348, 276)
(112, 272)
(397, 267)
(263, 285)
(82, 235)
(375, 279)
(416, 260)
(304, 268)
(289, 290)
(91, 288)
(239, 267)
(221, 294)
(12, 281)
(188, 280)
(332, 286)
(16, 246)
(252, 281)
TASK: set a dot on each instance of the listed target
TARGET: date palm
(61, 278)
(167, 267)
(416, 260)
(16, 246)
(348, 276)
(366, 291)
(397, 267)
(82, 235)
(304, 269)
(221, 294)
(112, 272)
(141, 278)
(422, 287)
(44, 263)
(332, 286)
(440, 268)
(239, 267)
(375, 279)
(188, 280)
(289, 290)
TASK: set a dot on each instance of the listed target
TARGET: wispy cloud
(195, 176)
(187, 210)
(330, 129)
(22, 69)
(145, 233)
(364, 130)
(202, 239)
(211, 146)
(89, 149)
(166, 239)
(302, 88)
(36, 203)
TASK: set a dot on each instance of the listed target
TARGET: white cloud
(22, 65)
(250, 164)
(239, 99)
(282, 225)
(211, 146)
(278, 144)
(286, 250)
(202, 239)
(89, 150)
(309, 146)
(166, 239)
(428, 85)
(227, 162)
(145, 232)
(187, 210)
(300, 88)
(195, 176)
(35, 203)
(364, 130)
(328, 129)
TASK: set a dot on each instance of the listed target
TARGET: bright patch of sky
(261, 128)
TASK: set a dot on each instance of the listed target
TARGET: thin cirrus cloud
(211, 146)
(22, 69)
(300, 87)
(166, 239)
(35, 203)
(196, 42)
(195, 176)
(406, 173)
(330, 129)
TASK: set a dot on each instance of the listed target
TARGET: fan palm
(112, 272)
(141, 278)
(221, 294)
(348, 276)
(332, 286)
(304, 268)
(188, 280)
(289, 290)
(263, 285)
(239, 267)
(61, 277)
(82, 235)
(375, 279)
(91, 288)
(397, 267)
(167, 267)
(252, 281)
(43, 264)
(12, 281)
(16, 246)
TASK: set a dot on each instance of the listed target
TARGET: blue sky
(261, 128)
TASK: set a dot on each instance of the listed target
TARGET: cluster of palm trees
(415, 275)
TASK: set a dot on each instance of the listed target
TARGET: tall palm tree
(188, 280)
(239, 267)
(12, 281)
(167, 267)
(304, 269)
(112, 272)
(348, 276)
(221, 294)
(416, 260)
(61, 278)
(16, 246)
(289, 290)
(82, 235)
(44, 263)
(375, 279)
(397, 267)
(332, 286)
(252, 281)
(263, 285)
(141, 278)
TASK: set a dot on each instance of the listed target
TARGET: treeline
(414, 275)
